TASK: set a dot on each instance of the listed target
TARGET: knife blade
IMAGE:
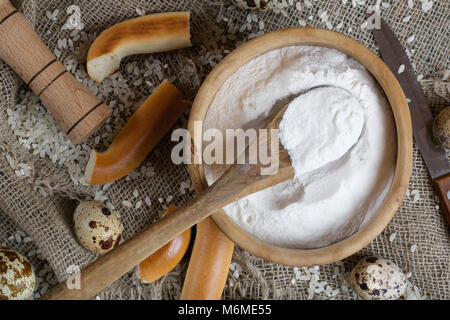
(394, 55)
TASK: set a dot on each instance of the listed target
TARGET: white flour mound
(329, 200)
(333, 121)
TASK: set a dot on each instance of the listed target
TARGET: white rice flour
(343, 148)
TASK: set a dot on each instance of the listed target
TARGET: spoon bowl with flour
(332, 121)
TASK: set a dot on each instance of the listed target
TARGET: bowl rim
(397, 100)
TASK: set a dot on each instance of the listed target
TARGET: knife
(435, 158)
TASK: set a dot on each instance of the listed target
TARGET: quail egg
(97, 228)
(17, 278)
(252, 5)
(441, 128)
(375, 278)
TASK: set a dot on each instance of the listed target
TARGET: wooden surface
(442, 186)
(78, 112)
(396, 97)
(237, 182)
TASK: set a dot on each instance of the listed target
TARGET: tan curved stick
(157, 32)
(78, 112)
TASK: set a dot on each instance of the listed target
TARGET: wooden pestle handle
(78, 112)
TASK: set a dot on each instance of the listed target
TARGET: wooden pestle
(237, 182)
(78, 112)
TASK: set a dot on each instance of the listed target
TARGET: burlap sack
(47, 218)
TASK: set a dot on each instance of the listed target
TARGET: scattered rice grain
(392, 237)
(127, 203)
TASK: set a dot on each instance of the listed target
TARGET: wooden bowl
(399, 105)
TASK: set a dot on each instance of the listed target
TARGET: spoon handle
(235, 183)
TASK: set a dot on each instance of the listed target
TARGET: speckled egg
(441, 128)
(17, 279)
(375, 278)
(97, 228)
(252, 5)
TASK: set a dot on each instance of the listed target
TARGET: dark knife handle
(442, 185)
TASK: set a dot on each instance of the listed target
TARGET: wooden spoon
(238, 181)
